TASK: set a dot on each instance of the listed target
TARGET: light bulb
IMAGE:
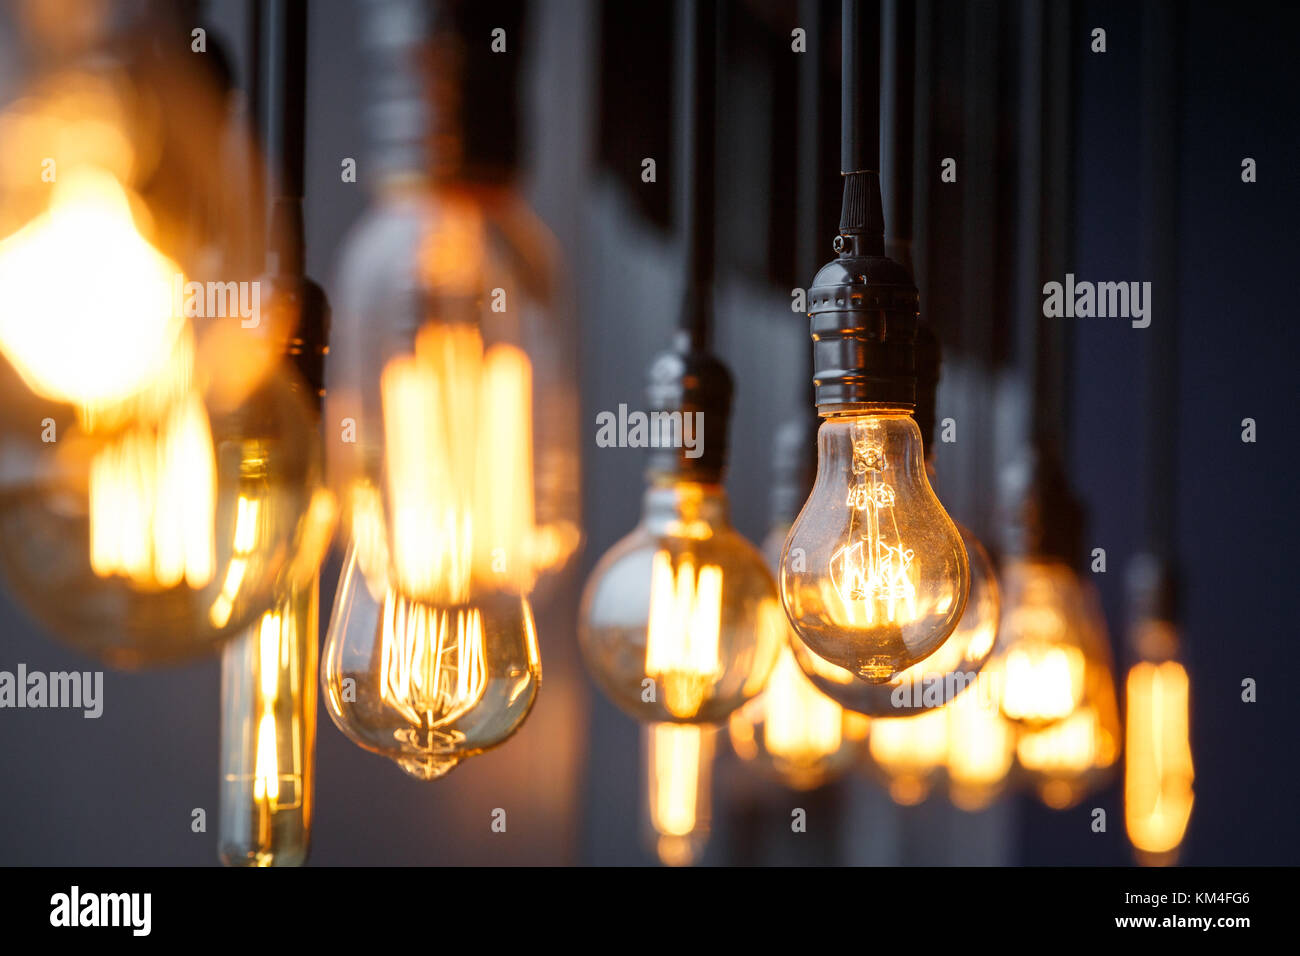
(268, 736)
(1053, 667)
(427, 685)
(157, 464)
(679, 620)
(451, 408)
(678, 789)
(1158, 757)
(909, 752)
(875, 576)
(981, 750)
(791, 730)
(955, 668)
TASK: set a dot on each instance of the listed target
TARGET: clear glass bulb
(956, 665)
(678, 790)
(680, 619)
(268, 736)
(1158, 770)
(427, 685)
(451, 409)
(874, 577)
(791, 730)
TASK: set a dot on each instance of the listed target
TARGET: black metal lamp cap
(1041, 516)
(863, 309)
(689, 388)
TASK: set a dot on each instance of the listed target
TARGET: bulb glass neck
(685, 508)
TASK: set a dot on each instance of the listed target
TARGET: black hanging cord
(859, 107)
(697, 45)
(283, 79)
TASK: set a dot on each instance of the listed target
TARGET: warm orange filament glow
(680, 758)
(909, 750)
(1158, 765)
(801, 724)
(1042, 682)
(682, 640)
(458, 461)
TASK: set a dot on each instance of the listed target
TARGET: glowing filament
(459, 470)
(153, 502)
(1158, 777)
(873, 571)
(433, 668)
(909, 750)
(680, 768)
(801, 724)
(682, 638)
(1042, 684)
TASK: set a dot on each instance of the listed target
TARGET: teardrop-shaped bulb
(874, 576)
(425, 685)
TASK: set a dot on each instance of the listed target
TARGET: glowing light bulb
(956, 666)
(679, 620)
(268, 736)
(1158, 757)
(909, 752)
(875, 576)
(423, 684)
(454, 486)
(791, 730)
(135, 422)
(981, 751)
(679, 780)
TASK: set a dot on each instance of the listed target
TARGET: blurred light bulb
(957, 664)
(1158, 757)
(423, 684)
(874, 577)
(679, 780)
(909, 752)
(1055, 680)
(456, 461)
(139, 419)
(679, 620)
(791, 730)
(981, 750)
(268, 736)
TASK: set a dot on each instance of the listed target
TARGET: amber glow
(1062, 754)
(87, 316)
(909, 750)
(681, 650)
(981, 750)
(458, 462)
(1158, 761)
(1043, 682)
(680, 767)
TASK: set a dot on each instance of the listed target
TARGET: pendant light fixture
(450, 416)
(269, 674)
(1158, 770)
(157, 465)
(874, 576)
(679, 620)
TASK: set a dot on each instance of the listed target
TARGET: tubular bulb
(874, 576)
(679, 790)
(268, 736)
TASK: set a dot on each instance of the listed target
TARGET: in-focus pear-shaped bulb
(952, 670)
(874, 576)
(678, 790)
(680, 620)
(268, 735)
(423, 684)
